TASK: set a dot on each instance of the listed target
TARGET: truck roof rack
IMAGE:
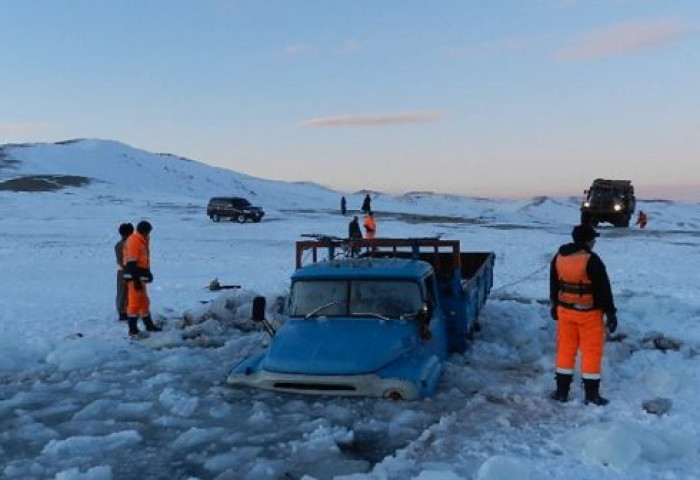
(602, 182)
(380, 247)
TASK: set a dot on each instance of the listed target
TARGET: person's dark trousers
(150, 326)
(133, 328)
(561, 394)
(592, 389)
(121, 296)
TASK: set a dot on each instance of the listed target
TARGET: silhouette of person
(367, 204)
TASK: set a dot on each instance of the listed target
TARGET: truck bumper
(347, 385)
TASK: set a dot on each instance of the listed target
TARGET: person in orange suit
(137, 273)
(370, 225)
(641, 219)
(580, 294)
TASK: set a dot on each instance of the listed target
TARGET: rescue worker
(343, 206)
(137, 272)
(370, 226)
(641, 219)
(367, 204)
(580, 292)
(354, 231)
(125, 229)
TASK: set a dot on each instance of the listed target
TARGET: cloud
(21, 128)
(350, 46)
(373, 120)
(625, 38)
(299, 49)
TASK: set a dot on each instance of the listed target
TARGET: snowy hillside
(79, 400)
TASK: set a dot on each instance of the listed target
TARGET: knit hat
(144, 227)
(583, 234)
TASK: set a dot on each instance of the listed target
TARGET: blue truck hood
(339, 345)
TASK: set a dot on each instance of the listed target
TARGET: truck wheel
(216, 218)
(394, 395)
(585, 218)
(240, 218)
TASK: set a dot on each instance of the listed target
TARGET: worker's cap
(144, 227)
(583, 233)
(126, 229)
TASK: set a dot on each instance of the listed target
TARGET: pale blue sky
(511, 97)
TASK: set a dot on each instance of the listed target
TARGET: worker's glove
(553, 313)
(612, 321)
(147, 276)
(137, 284)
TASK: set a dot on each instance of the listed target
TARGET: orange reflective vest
(136, 250)
(370, 226)
(575, 288)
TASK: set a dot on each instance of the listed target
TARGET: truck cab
(380, 324)
(610, 201)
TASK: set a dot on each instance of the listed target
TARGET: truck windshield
(386, 298)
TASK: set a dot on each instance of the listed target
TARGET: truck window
(308, 296)
(388, 298)
(241, 202)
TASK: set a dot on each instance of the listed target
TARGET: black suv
(233, 208)
(608, 201)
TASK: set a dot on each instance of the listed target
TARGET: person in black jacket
(580, 294)
(354, 233)
(125, 229)
(354, 230)
(367, 204)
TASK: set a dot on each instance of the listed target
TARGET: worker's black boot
(133, 328)
(592, 389)
(150, 326)
(561, 394)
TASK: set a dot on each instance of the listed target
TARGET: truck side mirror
(258, 311)
(258, 315)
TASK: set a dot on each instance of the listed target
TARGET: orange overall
(580, 324)
(642, 219)
(370, 226)
(136, 250)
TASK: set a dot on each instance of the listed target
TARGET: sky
(507, 98)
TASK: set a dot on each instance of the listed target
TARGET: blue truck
(371, 317)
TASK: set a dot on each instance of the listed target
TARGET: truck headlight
(586, 204)
(617, 207)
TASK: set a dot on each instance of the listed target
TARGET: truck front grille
(325, 387)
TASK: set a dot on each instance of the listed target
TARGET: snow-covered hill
(123, 170)
(78, 400)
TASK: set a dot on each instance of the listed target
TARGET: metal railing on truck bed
(443, 255)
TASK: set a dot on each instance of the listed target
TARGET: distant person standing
(641, 219)
(354, 231)
(343, 206)
(580, 292)
(125, 229)
(370, 226)
(137, 273)
(367, 204)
